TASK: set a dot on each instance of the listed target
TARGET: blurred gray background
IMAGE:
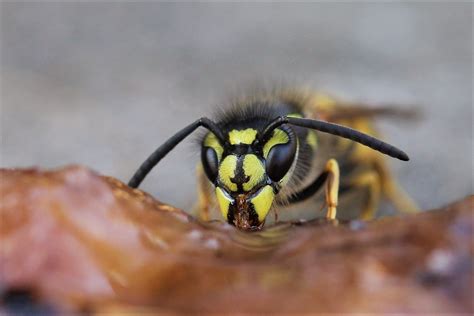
(103, 84)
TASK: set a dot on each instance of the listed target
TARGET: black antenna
(335, 129)
(164, 149)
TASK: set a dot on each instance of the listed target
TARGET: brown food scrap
(83, 242)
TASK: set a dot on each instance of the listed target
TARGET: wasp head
(248, 172)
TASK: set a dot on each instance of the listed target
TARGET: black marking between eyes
(239, 176)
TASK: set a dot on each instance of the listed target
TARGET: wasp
(262, 151)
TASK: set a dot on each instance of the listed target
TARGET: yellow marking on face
(224, 202)
(278, 137)
(212, 142)
(246, 136)
(312, 140)
(227, 170)
(254, 169)
(263, 201)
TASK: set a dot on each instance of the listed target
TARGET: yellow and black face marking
(248, 174)
(254, 151)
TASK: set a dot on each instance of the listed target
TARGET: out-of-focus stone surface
(82, 242)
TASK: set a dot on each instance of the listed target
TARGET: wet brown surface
(83, 242)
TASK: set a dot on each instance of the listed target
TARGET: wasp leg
(330, 176)
(392, 190)
(204, 191)
(369, 180)
(378, 182)
(332, 187)
(310, 190)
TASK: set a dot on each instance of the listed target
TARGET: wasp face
(248, 174)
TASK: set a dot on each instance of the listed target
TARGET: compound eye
(279, 160)
(210, 162)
